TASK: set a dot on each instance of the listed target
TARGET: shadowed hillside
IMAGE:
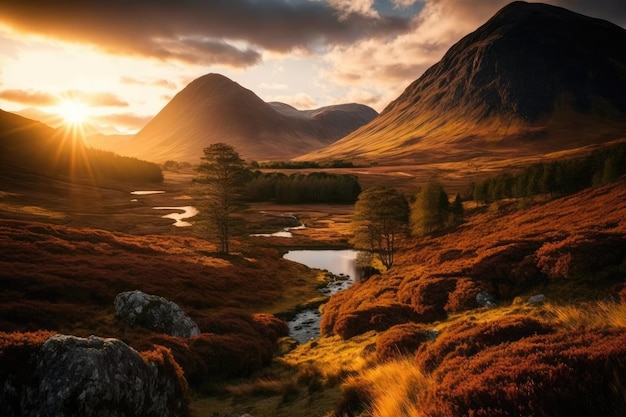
(28, 147)
(215, 109)
(533, 79)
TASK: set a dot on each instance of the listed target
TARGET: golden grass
(599, 315)
(394, 388)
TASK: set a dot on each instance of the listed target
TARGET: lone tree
(225, 174)
(430, 209)
(380, 215)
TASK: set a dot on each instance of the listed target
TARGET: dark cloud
(198, 31)
(28, 97)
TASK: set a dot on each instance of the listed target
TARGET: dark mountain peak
(527, 61)
(533, 75)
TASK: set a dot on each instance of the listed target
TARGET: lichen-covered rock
(94, 377)
(155, 313)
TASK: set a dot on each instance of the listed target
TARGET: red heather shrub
(427, 297)
(581, 254)
(467, 338)
(163, 358)
(574, 374)
(463, 297)
(512, 268)
(233, 344)
(377, 318)
(400, 340)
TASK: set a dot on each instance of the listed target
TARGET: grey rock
(537, 299)
(94, 377)
(486, 299)
(155, 313)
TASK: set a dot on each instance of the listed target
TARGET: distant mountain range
(214, 109)
(533, 79)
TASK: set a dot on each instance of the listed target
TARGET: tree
(225, 174)
(380, 215)
(430, 209)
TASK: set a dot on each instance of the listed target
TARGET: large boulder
(155, 313)
(72, 376)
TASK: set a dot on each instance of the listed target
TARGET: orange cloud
(28, 97)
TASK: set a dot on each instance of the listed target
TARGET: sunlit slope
(534, 78)
(214, 109)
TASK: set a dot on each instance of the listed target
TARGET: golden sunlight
(73, 112)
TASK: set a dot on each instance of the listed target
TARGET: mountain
(30, 149)
(534, 78)
(214, 109)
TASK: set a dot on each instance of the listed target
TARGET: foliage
(555, 178)
(380, 216)
(224, 175)
(316, 187)
(401, 340)
(432, 210)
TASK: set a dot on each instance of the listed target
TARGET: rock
(537, 299)
(155, 313)
(486, 299)
(96, 377)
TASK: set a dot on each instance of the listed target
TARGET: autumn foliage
(577, 242)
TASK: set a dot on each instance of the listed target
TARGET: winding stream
(342, 263)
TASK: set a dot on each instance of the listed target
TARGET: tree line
(228, 185)
(554, 178)
(316, 187)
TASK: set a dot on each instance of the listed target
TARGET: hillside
(28, 148)
(533, 79)
(214, 109)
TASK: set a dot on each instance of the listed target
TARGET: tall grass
(389, 389)
(598, 315)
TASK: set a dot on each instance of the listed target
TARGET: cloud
(131, 121)
(229, 32)
(29, 97)
(158, 83)
(95, 99)
(380, 69)
(273, 86)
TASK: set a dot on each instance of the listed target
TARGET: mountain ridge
(532, 71)
(213, 108)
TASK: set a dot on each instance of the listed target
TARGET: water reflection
(186, 212)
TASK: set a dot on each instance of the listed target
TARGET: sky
(117, 63)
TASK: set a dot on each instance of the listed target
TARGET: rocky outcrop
(72, 376)
(155, 313)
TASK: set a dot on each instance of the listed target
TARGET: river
(342, 263)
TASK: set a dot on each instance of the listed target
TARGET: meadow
(411, 341)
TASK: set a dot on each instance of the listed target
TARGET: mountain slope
(534, 78)
(213, 109)
(28, 148)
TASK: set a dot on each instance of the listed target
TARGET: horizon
(62, 60)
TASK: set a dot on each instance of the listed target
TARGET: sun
(73, 112)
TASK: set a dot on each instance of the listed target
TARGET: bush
(467, 338)
(573, 374)
(400, 340)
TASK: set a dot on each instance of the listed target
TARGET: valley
(460, 253)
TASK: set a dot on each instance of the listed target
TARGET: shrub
(466, 338)
(400, 340)
(573, 374)
(428, 297)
